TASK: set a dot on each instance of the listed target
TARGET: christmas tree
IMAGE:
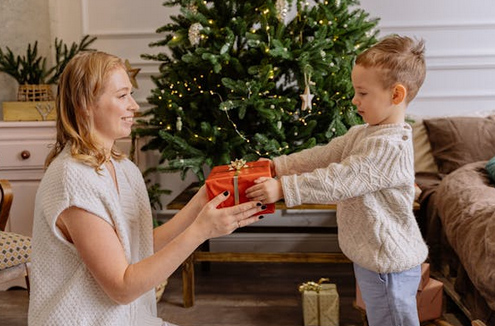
(242, 80)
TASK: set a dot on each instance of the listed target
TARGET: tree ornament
(132, 72)
(192, 8)
(178, 124)
(306, 97)
(281, 7)
(279, 124)
(194, 33)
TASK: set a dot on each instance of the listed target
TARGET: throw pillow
(490, 168)
(423, 158)
(456, 141)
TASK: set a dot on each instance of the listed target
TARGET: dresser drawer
(22, 154)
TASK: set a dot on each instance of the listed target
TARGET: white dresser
(23, 149)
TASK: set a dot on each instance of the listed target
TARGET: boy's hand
(265, 190)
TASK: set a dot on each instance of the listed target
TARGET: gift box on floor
(429, 299)
(425, 276)
(236, 178)
(320, 302)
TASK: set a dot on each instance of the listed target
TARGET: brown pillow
(456, 141)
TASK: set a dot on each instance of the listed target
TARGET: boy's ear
(399, 94)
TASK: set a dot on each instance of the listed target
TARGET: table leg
(188, 281)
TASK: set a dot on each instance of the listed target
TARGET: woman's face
(113, 113)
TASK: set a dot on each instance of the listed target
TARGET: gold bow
(237, 165)
(312, 286)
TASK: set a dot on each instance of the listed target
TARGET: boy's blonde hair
(401, 61)
(79, 87)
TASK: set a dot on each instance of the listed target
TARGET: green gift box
(320, 302)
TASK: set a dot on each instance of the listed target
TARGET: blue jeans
(390, 299)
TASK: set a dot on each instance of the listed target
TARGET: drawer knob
(25, 155)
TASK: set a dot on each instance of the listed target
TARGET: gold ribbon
(237, 165)
(316, 287)
(313, 286)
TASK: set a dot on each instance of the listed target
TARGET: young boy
(369, 172)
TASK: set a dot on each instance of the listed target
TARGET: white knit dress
(369, 173)
(63, 291)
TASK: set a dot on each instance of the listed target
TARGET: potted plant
(34, 76)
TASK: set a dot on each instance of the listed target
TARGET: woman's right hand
(214, 222)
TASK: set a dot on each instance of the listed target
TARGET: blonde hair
(79, 87)
(401, 60)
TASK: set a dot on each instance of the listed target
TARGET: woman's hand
(214, 222)
(265, 190)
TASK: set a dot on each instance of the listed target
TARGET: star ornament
(132, 72)
(306, 97)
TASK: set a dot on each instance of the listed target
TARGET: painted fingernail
(261, 217)
(263, 207)
(226, 193)
(258, 204)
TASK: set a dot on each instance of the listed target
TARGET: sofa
(457, 207)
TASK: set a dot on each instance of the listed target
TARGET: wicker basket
(34, 93)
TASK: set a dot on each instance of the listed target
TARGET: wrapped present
(430, 300)
(359, 298)
(320, 302)
(425, 276)
(236, 178)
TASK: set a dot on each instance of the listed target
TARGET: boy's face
(374, 103)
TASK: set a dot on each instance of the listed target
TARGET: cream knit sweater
(369, 173)
(63, 291)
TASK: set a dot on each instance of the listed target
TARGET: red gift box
(236, 178)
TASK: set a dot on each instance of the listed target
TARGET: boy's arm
(380, 165)
(310, 159)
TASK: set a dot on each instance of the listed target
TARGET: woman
(96, 258)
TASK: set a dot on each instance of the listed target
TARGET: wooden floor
(241, 294)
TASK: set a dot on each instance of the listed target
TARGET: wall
(460, 52)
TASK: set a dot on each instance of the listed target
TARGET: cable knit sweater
(369, 173)
(63, 290)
